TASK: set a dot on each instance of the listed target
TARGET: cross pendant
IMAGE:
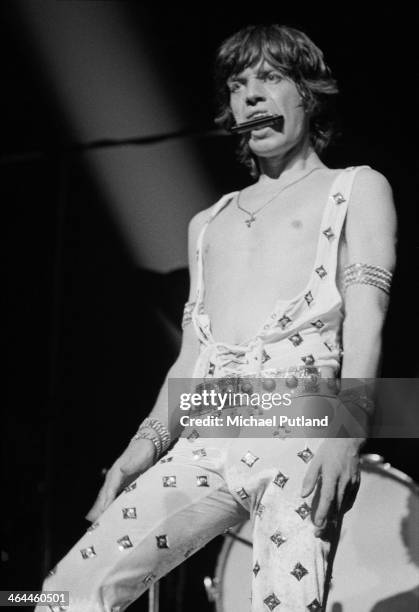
(250, 221)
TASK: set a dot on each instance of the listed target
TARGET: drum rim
(370, 462)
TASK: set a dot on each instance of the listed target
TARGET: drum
(376, 568)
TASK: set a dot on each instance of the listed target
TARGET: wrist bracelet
(161, 431)
(156, 432)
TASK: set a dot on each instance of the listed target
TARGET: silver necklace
(252, 215)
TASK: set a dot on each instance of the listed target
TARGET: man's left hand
(335, 467)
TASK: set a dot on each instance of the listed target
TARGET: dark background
(88, 346)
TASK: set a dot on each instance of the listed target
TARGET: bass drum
(376, 568)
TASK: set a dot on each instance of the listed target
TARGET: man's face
(264, 89)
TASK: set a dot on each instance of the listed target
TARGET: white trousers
(202, 487)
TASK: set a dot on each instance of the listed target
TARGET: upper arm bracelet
(187, 313)
(367, 274)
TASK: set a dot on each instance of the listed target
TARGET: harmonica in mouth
(255, 124)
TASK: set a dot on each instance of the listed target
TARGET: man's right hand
(137, 458)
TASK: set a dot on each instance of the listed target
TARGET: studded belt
(297, 381)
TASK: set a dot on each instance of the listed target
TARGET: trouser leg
(289, 562)
(166, 515)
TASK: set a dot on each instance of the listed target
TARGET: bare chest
(248, 269)
(279, 246)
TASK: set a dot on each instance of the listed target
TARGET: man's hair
(291, 52)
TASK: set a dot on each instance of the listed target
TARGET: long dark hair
(297, 57)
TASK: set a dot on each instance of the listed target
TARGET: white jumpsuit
(205, 485)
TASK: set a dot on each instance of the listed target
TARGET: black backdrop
(87, 348)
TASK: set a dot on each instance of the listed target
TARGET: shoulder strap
(339, 206)
(216, 209)
(221, 203)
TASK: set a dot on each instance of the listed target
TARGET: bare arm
(370, 238)
(184, 365)
(140, 454)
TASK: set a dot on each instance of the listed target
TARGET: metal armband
(367, 274)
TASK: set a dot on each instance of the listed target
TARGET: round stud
(311, 382)
(247, 387)
(268, 384)
(291, 381)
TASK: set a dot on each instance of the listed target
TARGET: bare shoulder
(371, 222)
(372, 198)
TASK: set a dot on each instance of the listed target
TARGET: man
(264, 302)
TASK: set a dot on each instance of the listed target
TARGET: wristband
(157, 432)
(161, 431)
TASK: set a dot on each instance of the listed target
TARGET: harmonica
(255, 124)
